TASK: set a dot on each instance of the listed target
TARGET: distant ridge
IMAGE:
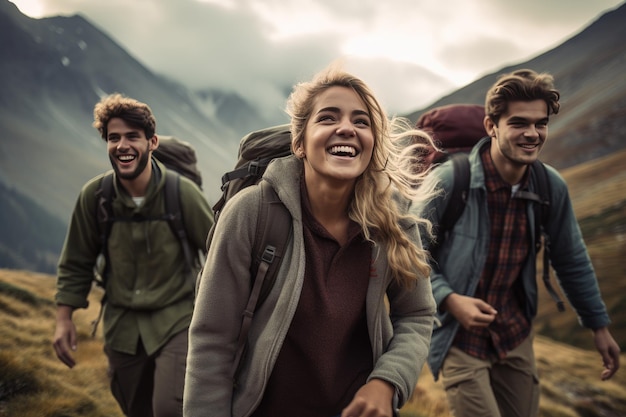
(30, 237)
(589, 71)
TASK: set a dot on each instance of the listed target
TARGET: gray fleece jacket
(400, 336)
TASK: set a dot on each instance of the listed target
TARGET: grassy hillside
(597, 189)
(33, 383)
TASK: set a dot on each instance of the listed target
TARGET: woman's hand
(373, 399)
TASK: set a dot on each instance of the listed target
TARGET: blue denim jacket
(460, 259)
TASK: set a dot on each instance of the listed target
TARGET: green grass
(33, 382)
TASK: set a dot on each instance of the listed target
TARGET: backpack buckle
(254, 168)
(268, 254)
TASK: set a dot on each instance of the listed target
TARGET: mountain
(31, 236)
(235, 111)
(53, 70)
(589, 72)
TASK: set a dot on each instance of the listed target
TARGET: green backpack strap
(272, 235)
(174, 215)
(104, 217)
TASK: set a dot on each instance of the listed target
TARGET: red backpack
(455, 128)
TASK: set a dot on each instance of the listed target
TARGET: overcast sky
(411, 52)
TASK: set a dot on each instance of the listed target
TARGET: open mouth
(126, 158)
(343, 150)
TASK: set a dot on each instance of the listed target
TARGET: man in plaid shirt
(484, 269)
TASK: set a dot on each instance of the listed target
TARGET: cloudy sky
(411, 52)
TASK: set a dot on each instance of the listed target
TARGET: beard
(141, 165)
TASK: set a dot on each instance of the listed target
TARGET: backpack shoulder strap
(460, 188)
(541, 196)
(174, 214)
(272, 235)
(542, 217)
(542, 185)
(541, 206)
(104, 216)
(254, 168)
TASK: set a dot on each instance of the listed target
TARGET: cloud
(475, 54)
(220, 47)
(410, 51)
(399, 82)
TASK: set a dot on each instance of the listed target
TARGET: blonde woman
(324, 342)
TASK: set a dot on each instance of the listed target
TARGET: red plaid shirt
(500, 284)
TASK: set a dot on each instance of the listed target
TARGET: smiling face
(519, 135)
(338, 138)
(129, 149)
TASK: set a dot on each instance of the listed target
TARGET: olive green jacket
(149, 291)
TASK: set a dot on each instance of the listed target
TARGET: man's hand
(65, 342)
(374, 399)
(469, 311)
(609, 350)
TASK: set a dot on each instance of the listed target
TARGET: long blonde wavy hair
(394, 168)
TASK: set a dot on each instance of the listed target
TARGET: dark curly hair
(135, 113)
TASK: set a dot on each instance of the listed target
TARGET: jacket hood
(284, 174)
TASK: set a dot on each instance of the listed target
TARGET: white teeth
(342, 150)
(126, 158)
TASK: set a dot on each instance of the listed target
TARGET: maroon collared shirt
(500, 283)
(326, 356)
